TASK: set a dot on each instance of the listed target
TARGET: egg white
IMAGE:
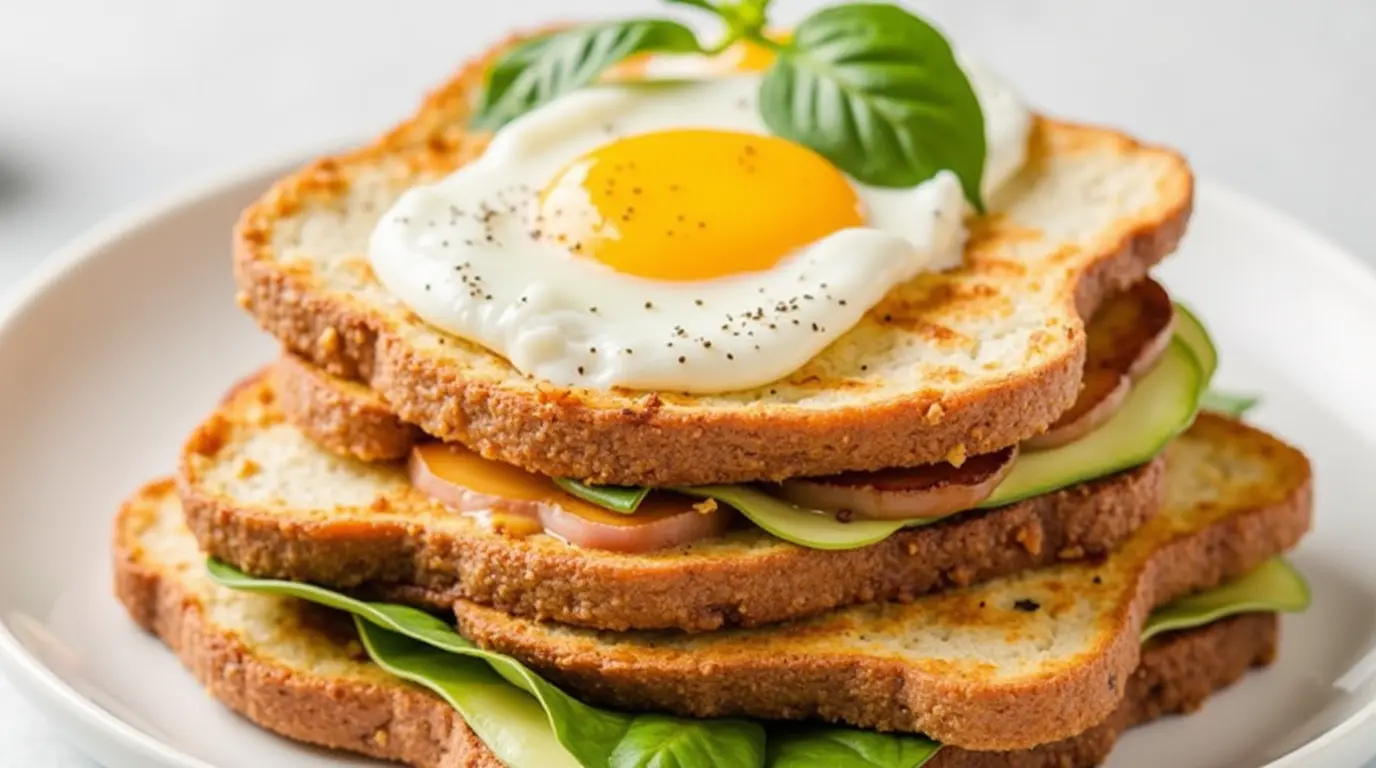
(460, 253)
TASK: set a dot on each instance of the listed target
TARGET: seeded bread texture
(1008, 664)
(293, 671)
(969, 361)
(263, 497)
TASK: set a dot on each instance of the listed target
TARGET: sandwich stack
(948, 494)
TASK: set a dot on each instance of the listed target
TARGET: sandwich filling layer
(1142, 385)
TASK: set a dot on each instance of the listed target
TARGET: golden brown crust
(414, 555)
(657, 439)
(343, 416)
(796, 672)
(390, 722)
(1176, 674)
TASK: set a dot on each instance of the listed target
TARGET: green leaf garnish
(544, 68)
(663, 741)
(812, 747)
(878, 92)
(1228, 403)
(617, 498)
(1274, 587)
(593, 736)
(870, 86)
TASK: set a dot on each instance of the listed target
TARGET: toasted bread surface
(284, 665)
(262, 496)
(970, 361)
(295, 671)
(339, 414)
(1007, 664)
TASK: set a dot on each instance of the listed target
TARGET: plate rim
(99, 732)
(96, 730)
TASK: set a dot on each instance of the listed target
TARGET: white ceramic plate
(111, 355)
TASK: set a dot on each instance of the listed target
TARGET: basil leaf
(544, 68)
(802, 747)
(661, 741)
(509, 66)
(593, 736)
(1275, 587)
(1228, 403)
(617, 498)
(878, 92)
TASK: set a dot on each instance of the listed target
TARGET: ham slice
(506, 496)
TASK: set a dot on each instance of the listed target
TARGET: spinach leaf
(593, 736)
(509, 721)
(802, 747)
(661, 741)
(617, 498)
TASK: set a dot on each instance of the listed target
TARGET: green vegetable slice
(617, 498)
(1161, 406)
(1274, 587)
(1158, 409)
(1192, 332)
(807, 527)
(879, 93)
(544, 68)
(592, 736)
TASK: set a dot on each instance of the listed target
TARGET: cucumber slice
(1275, 586)
(805, 527)
(1161, 406)
(1158, 409)
(1189, 330)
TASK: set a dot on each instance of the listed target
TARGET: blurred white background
(106, 102)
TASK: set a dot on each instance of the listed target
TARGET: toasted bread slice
(970, 361)
(1008, 664)
(262, 496)
(339, 414)
(286, 666)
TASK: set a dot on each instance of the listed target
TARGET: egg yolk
(695, 204)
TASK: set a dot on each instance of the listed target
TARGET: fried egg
(655, 235)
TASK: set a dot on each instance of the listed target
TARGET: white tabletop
(105, 102)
